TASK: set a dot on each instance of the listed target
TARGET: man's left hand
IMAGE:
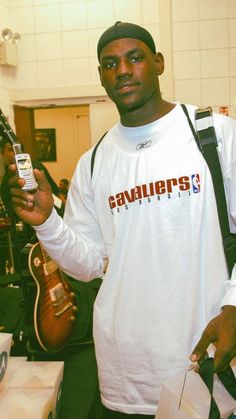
(221, 331)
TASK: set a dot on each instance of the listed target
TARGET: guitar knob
(72, 318)
(74, 308)
(72, 294)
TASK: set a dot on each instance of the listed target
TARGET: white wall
(58, 45)
(72, 132)
(102, 118)
(204, 52)
(6, 77)
(58, 49)
(4, 91)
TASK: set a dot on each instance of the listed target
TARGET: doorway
(72, 134)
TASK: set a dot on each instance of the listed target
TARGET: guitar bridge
(60, 312)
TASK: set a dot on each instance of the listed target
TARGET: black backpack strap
(191, 126)
(206, 373)
(207, 142)
(94, 154)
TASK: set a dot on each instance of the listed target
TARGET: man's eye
(110, 64)
(136, 59)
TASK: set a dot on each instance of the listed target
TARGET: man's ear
(99, 70)
(160, 63)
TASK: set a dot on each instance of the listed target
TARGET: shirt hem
(129, 409)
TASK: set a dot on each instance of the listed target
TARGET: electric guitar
(54, 308)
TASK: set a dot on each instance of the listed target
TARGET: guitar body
(54, 309)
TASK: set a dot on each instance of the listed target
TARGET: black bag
(227, 379)
(86, 293)
(12, 311)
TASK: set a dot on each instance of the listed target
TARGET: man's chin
(128, 107)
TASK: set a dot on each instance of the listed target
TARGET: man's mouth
(125, 88)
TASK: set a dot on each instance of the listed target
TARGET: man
(166, 280)
(63, 189)
(45, 147)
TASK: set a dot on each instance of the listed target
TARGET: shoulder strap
(94, 154)
(207, 142)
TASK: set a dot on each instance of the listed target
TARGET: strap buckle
(204, 126)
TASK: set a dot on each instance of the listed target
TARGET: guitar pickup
(57, 294)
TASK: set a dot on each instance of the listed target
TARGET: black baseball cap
(125, 30)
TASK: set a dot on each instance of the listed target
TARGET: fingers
(12, 168)
(43, 184)
(16, 182)
(200, 351)
(221, 360)
(225, 351)
(220, 332)
(196, 365)
(21, 198)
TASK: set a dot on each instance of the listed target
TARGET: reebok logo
(144, 144)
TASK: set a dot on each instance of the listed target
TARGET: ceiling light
(7, 34)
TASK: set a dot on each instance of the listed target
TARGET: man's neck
(142, 116)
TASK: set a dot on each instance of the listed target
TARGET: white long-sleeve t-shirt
(150, 209)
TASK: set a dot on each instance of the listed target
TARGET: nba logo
(195, 183)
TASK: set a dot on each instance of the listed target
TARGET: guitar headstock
(6, 130)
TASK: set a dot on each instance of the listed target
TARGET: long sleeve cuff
(230, 295)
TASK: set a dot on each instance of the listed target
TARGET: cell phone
(24, 168)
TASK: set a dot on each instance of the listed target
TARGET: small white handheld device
(24, 168)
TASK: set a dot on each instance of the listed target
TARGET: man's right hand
(32, 207)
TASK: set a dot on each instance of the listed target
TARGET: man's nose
(124, 68)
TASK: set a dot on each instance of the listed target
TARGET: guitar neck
(8, 133)
(45, 256)
(49, 265)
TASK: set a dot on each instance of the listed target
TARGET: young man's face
(7, 154)
(128, 72)
(43, 144)
(63, 186)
